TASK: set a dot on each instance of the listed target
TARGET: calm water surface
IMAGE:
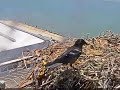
(67, 17)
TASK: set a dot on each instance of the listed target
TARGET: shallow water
(67, 17)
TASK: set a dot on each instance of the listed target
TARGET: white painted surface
(21, 38)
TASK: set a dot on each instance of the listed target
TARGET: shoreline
(33, 30)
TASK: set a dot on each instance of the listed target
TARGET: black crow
(69, 56)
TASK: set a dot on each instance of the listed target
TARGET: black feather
(70, 55)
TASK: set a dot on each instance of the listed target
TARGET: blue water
(67, 17)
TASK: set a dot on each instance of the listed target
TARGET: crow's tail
(49, 64)
(52, 64)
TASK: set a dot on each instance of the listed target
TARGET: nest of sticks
(97, 67)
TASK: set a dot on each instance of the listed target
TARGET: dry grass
(97, 67)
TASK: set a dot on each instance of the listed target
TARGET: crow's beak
(86, 43)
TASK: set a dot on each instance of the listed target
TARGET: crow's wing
(60, 58)
(70, 54)
(70, 57)
(66, 52)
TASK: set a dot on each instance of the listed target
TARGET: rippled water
(67, 17)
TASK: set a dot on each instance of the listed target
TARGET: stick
(16, 60)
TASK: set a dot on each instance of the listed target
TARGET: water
(67, 17)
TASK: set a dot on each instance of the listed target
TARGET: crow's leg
(73, 67)
(67, 66)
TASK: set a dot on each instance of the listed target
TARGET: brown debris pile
(97, 67)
